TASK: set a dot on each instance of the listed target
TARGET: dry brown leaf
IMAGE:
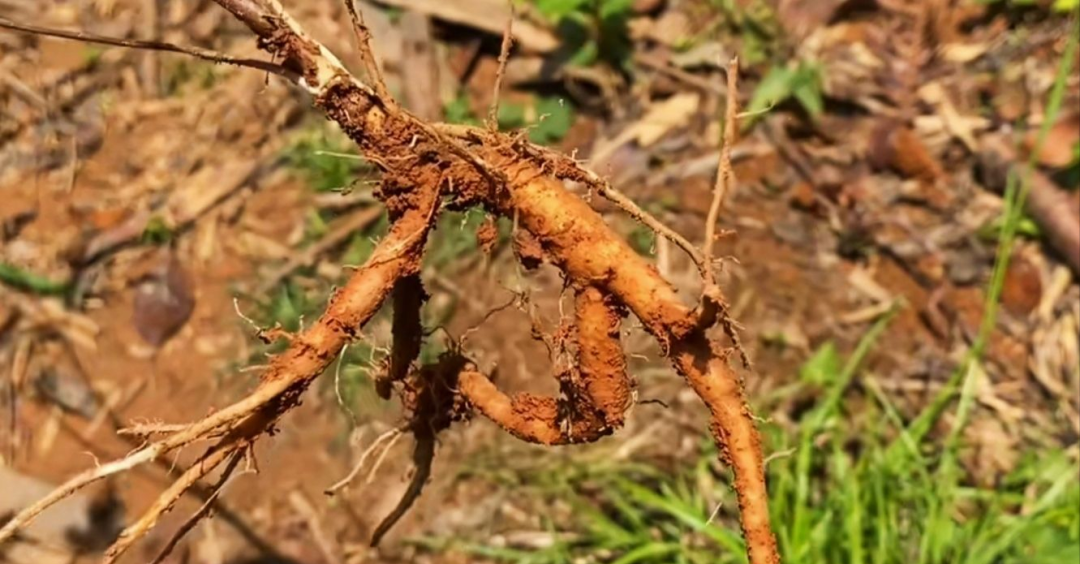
(1058, 151)
(963, 52)
(801, 17)
(896, 146)
(663, 117)
(205, 188)
(163, 303)
(1022, 290)
(959, 126)
(671, 29)
(486, 15)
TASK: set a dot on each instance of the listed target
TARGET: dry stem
(725, 176)
(363, 43)
(504, 56)
(197, 52)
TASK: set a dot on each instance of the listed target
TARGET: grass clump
(843, 490)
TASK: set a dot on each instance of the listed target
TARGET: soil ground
(93, 139)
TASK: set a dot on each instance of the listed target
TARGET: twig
(662, 67)
(713, 306)
(205, 54)
(212, 459)
(363, 40)
(504, 56)
(202, 512)
(725, 176)
(648, 220)
(74, 484)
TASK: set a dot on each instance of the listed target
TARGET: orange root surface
(600, 355)
(530, 417)
(492, 170)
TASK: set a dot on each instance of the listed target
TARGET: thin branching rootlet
(427, 168)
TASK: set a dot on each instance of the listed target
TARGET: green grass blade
(817, 420)
(24, 280)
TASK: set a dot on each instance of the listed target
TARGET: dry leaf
(963, 52)
(895, 146)
(673, 113)
(801, 17)
(959, 126)
(163, 303)
(486, 15)
(1058, 151)
(662, 117)
(1022, 290)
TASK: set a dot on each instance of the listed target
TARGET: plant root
(432, 403)
(282, 384)
(408, 298)
(600, 355)
(595, 393)
(515, 180)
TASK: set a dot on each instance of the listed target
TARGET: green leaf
(556, 117)
(284, 310)
(25, 280)
(326, 159)
(615, 8)
(588, 54)
(823, 367)
(458, 111)
(773, 89)
(511, 115)
(156, 232)
(362, 244)
(806, 87)
(648, 552)
(558, 9)
(643, 240)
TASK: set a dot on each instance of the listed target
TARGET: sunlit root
(594, 393)
(601, 361)
(503, 174)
